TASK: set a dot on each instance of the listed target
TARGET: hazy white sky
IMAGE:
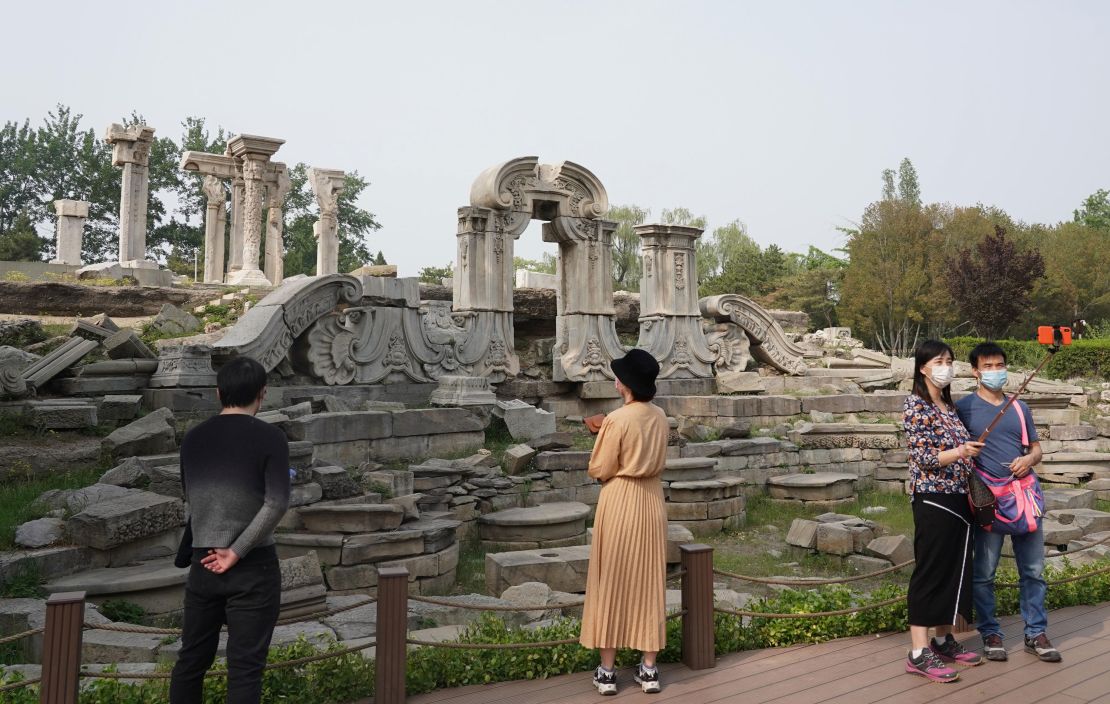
(782, 114)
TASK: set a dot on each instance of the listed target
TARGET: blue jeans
(1029, 554)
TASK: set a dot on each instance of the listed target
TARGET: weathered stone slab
(1072, 432)
(1068, 498)
(1055, 416)
(525, 421)
(77, 500)
(802, 533)
(375, 547)
(547, 522)
(70, 416)
(739, 383)
(117, 407)
(150, 435)
(434, 420)
(139, 514)
(328, 547)
(126, 344)
(351, 518)
(65, 356)
(894, 548)
(344, 426)
(739, 447)
(335, 482)
(1056, 533)
(552, 461)
(1088, 520)
(822, 486)
(689, 469)
(562, 569)
(835, 539)
(40, 532)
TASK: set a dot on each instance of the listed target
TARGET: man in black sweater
(235, 471)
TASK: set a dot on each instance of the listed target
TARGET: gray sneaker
(1042, 647)
(647, 679)
(993, 648)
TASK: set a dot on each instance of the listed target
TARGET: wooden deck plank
(812, 674)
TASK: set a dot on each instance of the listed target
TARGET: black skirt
(940, 587)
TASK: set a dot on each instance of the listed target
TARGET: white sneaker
(647, 679)
(605, 681)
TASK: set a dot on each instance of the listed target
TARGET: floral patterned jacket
(929, 431)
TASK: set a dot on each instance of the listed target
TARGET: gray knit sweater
(235, 470)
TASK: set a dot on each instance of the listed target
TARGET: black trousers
(247, 598)
(940, 586)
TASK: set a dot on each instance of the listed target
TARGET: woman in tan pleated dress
(626, 583)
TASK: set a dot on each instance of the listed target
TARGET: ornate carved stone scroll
(769, 343)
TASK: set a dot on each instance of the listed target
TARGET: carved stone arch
(543, 191)
(571, 200)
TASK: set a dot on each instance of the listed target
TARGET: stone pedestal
(70, 229)
(326, 184)
(185, 365)
(131, 151)
(670, 321)
(463, 391)
(214, 219)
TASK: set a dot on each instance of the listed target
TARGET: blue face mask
(993, 380)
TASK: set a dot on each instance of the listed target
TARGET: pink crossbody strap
(1024, 428)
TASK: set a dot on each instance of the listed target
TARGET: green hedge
(350, 677)
(1082, 358)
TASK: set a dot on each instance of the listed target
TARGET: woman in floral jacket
(940, 460)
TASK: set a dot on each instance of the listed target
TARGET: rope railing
(11, 686)
(786, 582)
(816, 614)
(497, 607)
(154, 630)
(490, 646)
(20, 636)
(284, 664)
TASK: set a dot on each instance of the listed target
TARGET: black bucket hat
(637, 370)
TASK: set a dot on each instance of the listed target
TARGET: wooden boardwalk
(849, 671)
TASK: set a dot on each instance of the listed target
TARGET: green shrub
(1083, 358)
(123, 611)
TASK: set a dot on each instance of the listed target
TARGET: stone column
(585, 330)
(670, 320)
(235, 255)
(131, 150)
(327, 184)
(276, 191)
(70, 228)
(254, 153)
(214, 219)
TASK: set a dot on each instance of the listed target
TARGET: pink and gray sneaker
(930, 666)
(952, 651)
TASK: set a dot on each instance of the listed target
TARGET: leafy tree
(379, 259)
(20, 242)
(908, 189)
(1077, 258)
(19, 188)
(435, 274)
(991, 286)
(301, 213)
(728, 245)
(627, 264)
(1095, 211)
(546, 265)
(888, 185)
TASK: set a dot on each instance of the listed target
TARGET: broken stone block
(1072, 432)
(895, 548)
(1056, 533)
(101, 270)
(524, 420)
(171, 320)
(821, 486)
(117, 407)
(131, 473)
(150, 435)
(517, 458)
(335, 482)
(554, 441)
(63, 416)
(1068, 498)
(865, 564)
(739, 383)
(40, 532)
(562, 569)
(835, 539)
(69, 353)
(1088, 520)
(375, 547)
(125, 344)
(351, 518)
(139, 514)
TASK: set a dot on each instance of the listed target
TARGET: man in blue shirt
(1004, 457)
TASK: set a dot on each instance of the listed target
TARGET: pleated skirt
(626, 583)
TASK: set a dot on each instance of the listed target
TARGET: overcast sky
(781, 114)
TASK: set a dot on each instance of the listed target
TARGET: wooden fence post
(697, 603)
(393, 618)
(61, 648)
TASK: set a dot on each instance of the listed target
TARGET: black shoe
(993, 648)
(647, 679)
(605, 681)
(1042, 647)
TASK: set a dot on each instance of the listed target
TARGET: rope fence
(11, 686)
(20, 636)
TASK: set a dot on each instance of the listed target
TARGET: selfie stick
(1057, 341)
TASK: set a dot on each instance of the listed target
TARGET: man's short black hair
(240, 381)
(985, 349)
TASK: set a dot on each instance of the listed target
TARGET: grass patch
(470, 575)
(18, 495)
